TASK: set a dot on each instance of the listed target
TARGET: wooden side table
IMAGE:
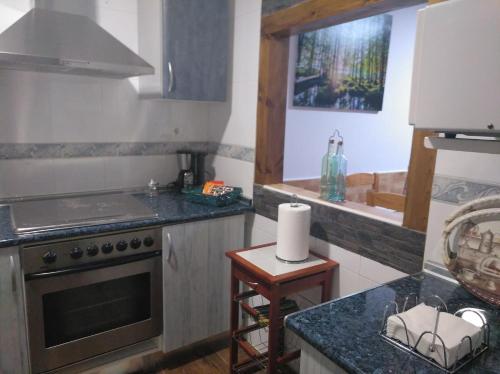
(258, 268)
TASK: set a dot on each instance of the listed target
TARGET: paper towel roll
(294, 221)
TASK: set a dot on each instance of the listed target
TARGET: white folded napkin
(451, 329)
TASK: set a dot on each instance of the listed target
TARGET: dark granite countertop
(346, 330)
(171, 208)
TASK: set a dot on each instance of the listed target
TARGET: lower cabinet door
(196, 279)
(13, 340)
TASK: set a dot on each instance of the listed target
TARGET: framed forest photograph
(343, 67)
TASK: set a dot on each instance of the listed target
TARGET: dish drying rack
(392, 308)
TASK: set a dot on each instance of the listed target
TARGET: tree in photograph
(344, 66)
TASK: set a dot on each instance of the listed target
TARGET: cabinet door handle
(170, 246)
(170, 77)
(13, 275)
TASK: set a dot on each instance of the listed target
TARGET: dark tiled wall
(391, 245)
(269, 6)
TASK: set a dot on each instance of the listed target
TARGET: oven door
(81, 313)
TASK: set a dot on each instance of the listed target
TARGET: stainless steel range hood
(50, 41)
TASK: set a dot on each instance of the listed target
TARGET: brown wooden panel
(387, 200)
(315, 14)
(419, 183)
(360, 179)
(271, 110)
(391, 181)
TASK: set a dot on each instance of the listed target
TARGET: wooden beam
(271, 110)
(419, 183)
(314, 14)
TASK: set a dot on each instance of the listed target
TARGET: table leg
(234, 315)
(274, 331)
(326, 287)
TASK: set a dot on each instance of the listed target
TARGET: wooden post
(419, 183)
(271, 110)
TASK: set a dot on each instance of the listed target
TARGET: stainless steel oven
(93, 295)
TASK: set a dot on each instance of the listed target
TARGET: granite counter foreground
(346, 330)
(172, 208)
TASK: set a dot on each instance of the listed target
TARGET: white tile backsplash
(55, 108)
(26, 177)
(79, 174)
(354, 274)
(377, 272)
(234, 122)
(348, 259)
(40, 177)
(137, 171)
(233, 172)
(348, 282)
(365, 283)
(24, 107)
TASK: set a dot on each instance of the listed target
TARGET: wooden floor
(197, 362)
(211, 358)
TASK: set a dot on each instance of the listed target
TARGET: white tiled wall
(355, 273)
(234, 122)
(233, 172)
(478, 167)
(41, 177)
(53, 108)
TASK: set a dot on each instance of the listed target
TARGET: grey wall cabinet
(196, 279)
(187, 42)
(13, 339)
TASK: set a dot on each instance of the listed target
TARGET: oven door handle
(94, 266)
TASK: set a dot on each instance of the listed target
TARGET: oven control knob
(135, 243)
(107, 248)
(49, 257)
(121, 245)
(76, 253)
(148, 241)
(92, 250)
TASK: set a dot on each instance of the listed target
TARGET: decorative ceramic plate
(474, 258)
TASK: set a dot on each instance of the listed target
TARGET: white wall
(234, 122)
(373, 141)
(52, 108)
